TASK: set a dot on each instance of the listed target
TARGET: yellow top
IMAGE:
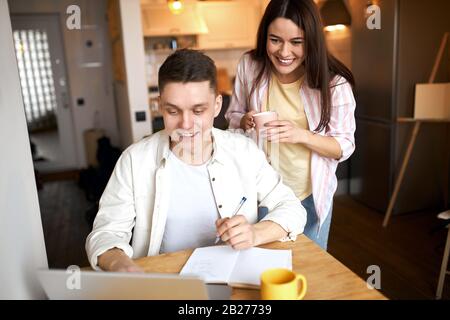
(291, 160)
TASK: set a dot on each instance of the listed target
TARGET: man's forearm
(268, 231)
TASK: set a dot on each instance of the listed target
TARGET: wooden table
(327, 277)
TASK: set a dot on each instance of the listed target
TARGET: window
(36, 78)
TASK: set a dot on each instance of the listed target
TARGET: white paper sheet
(252, 262)
(212, 264)
(222, 264)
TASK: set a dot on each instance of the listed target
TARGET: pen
(241, 203)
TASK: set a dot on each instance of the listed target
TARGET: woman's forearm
(323, 145)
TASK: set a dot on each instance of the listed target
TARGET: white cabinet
(158, 21)
(231, 24)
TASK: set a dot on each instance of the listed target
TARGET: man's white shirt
(134, 207)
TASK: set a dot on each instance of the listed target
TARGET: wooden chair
(444, 264)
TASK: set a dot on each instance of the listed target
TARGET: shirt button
(213, 179)
(220, 206)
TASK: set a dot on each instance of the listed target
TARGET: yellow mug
(282, 284)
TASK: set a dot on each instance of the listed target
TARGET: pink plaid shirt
(341, 126)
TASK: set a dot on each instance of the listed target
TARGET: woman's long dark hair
(320, 65)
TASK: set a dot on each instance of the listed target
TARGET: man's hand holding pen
(236, 232)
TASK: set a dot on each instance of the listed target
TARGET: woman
(291, 72)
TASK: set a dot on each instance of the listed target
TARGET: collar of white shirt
(164, 148)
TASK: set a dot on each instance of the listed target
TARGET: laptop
(93, 285)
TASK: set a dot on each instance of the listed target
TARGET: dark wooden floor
(63, 206)
(408, 255)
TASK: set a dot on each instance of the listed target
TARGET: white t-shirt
(192, 208)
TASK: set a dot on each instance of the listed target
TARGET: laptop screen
(88, 285)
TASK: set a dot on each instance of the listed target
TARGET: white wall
(22, 247)
(136, 98)
(94, 84)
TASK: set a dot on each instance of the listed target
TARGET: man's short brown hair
(187, 65)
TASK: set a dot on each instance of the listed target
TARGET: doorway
(42, 70)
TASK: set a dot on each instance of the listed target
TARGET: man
(179, 188)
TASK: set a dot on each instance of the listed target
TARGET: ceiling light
(175, 6)
(334, 12)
